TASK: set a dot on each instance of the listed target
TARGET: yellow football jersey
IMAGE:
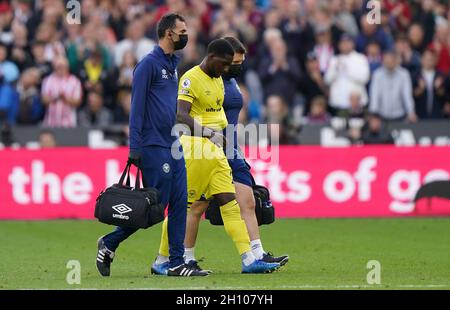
(206, 94)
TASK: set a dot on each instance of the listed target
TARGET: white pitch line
(306, 286)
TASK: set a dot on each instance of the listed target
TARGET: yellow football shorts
(207, 168)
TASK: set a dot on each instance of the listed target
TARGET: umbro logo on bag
(121, 209)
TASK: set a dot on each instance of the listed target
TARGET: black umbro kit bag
(265, 212)
(124, 206)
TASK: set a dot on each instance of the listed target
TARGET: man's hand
(214, 136)
(218, 139)
(134, 159)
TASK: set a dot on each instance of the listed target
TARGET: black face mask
(233, 72)
(181, 43)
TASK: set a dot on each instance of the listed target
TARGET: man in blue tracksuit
(153, 115)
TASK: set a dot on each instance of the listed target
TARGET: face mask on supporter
(233, 72)
(181, 43)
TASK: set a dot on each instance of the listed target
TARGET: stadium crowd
(308, 60)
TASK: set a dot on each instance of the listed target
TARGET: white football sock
(257, 248)
(248, 258)
(189, 254)
(161, 259)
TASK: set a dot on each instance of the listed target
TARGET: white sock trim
(189, 254)
(257, 248)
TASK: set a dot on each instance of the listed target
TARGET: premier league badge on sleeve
(186, 83)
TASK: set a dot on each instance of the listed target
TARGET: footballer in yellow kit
(207, 168)
(200, 99)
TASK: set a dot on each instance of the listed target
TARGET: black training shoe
(104, 258)
(194, 264)
(269, 258)
(186, 270)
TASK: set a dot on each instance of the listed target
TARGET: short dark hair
(38, 43)
(373, 42)
(374, 115)
(390, 51)
(237, 45)
(166, 22)
(221, 48)
(96, 93)
(46, 131)
(401, 37)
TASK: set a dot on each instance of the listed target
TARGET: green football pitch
(324, 254)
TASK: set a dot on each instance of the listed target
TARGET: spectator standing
(429, 91)
(280, 74)
(19, 49)
(372, 32)
(348, 72)
(391, 93)
(93, 74)
(410, 59)
(374, 56)
(80, 50)
(416, 37)
(323, 49)
(298, 32)
(312, 83)
(61, 94)
(53, 48)
(30, 111)
(343, 17)
(269, 37)
(39, 60)
(135, 41)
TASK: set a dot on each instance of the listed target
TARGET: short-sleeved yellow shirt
(206, 94)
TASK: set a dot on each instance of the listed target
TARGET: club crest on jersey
(165, 76)
(166, 168)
